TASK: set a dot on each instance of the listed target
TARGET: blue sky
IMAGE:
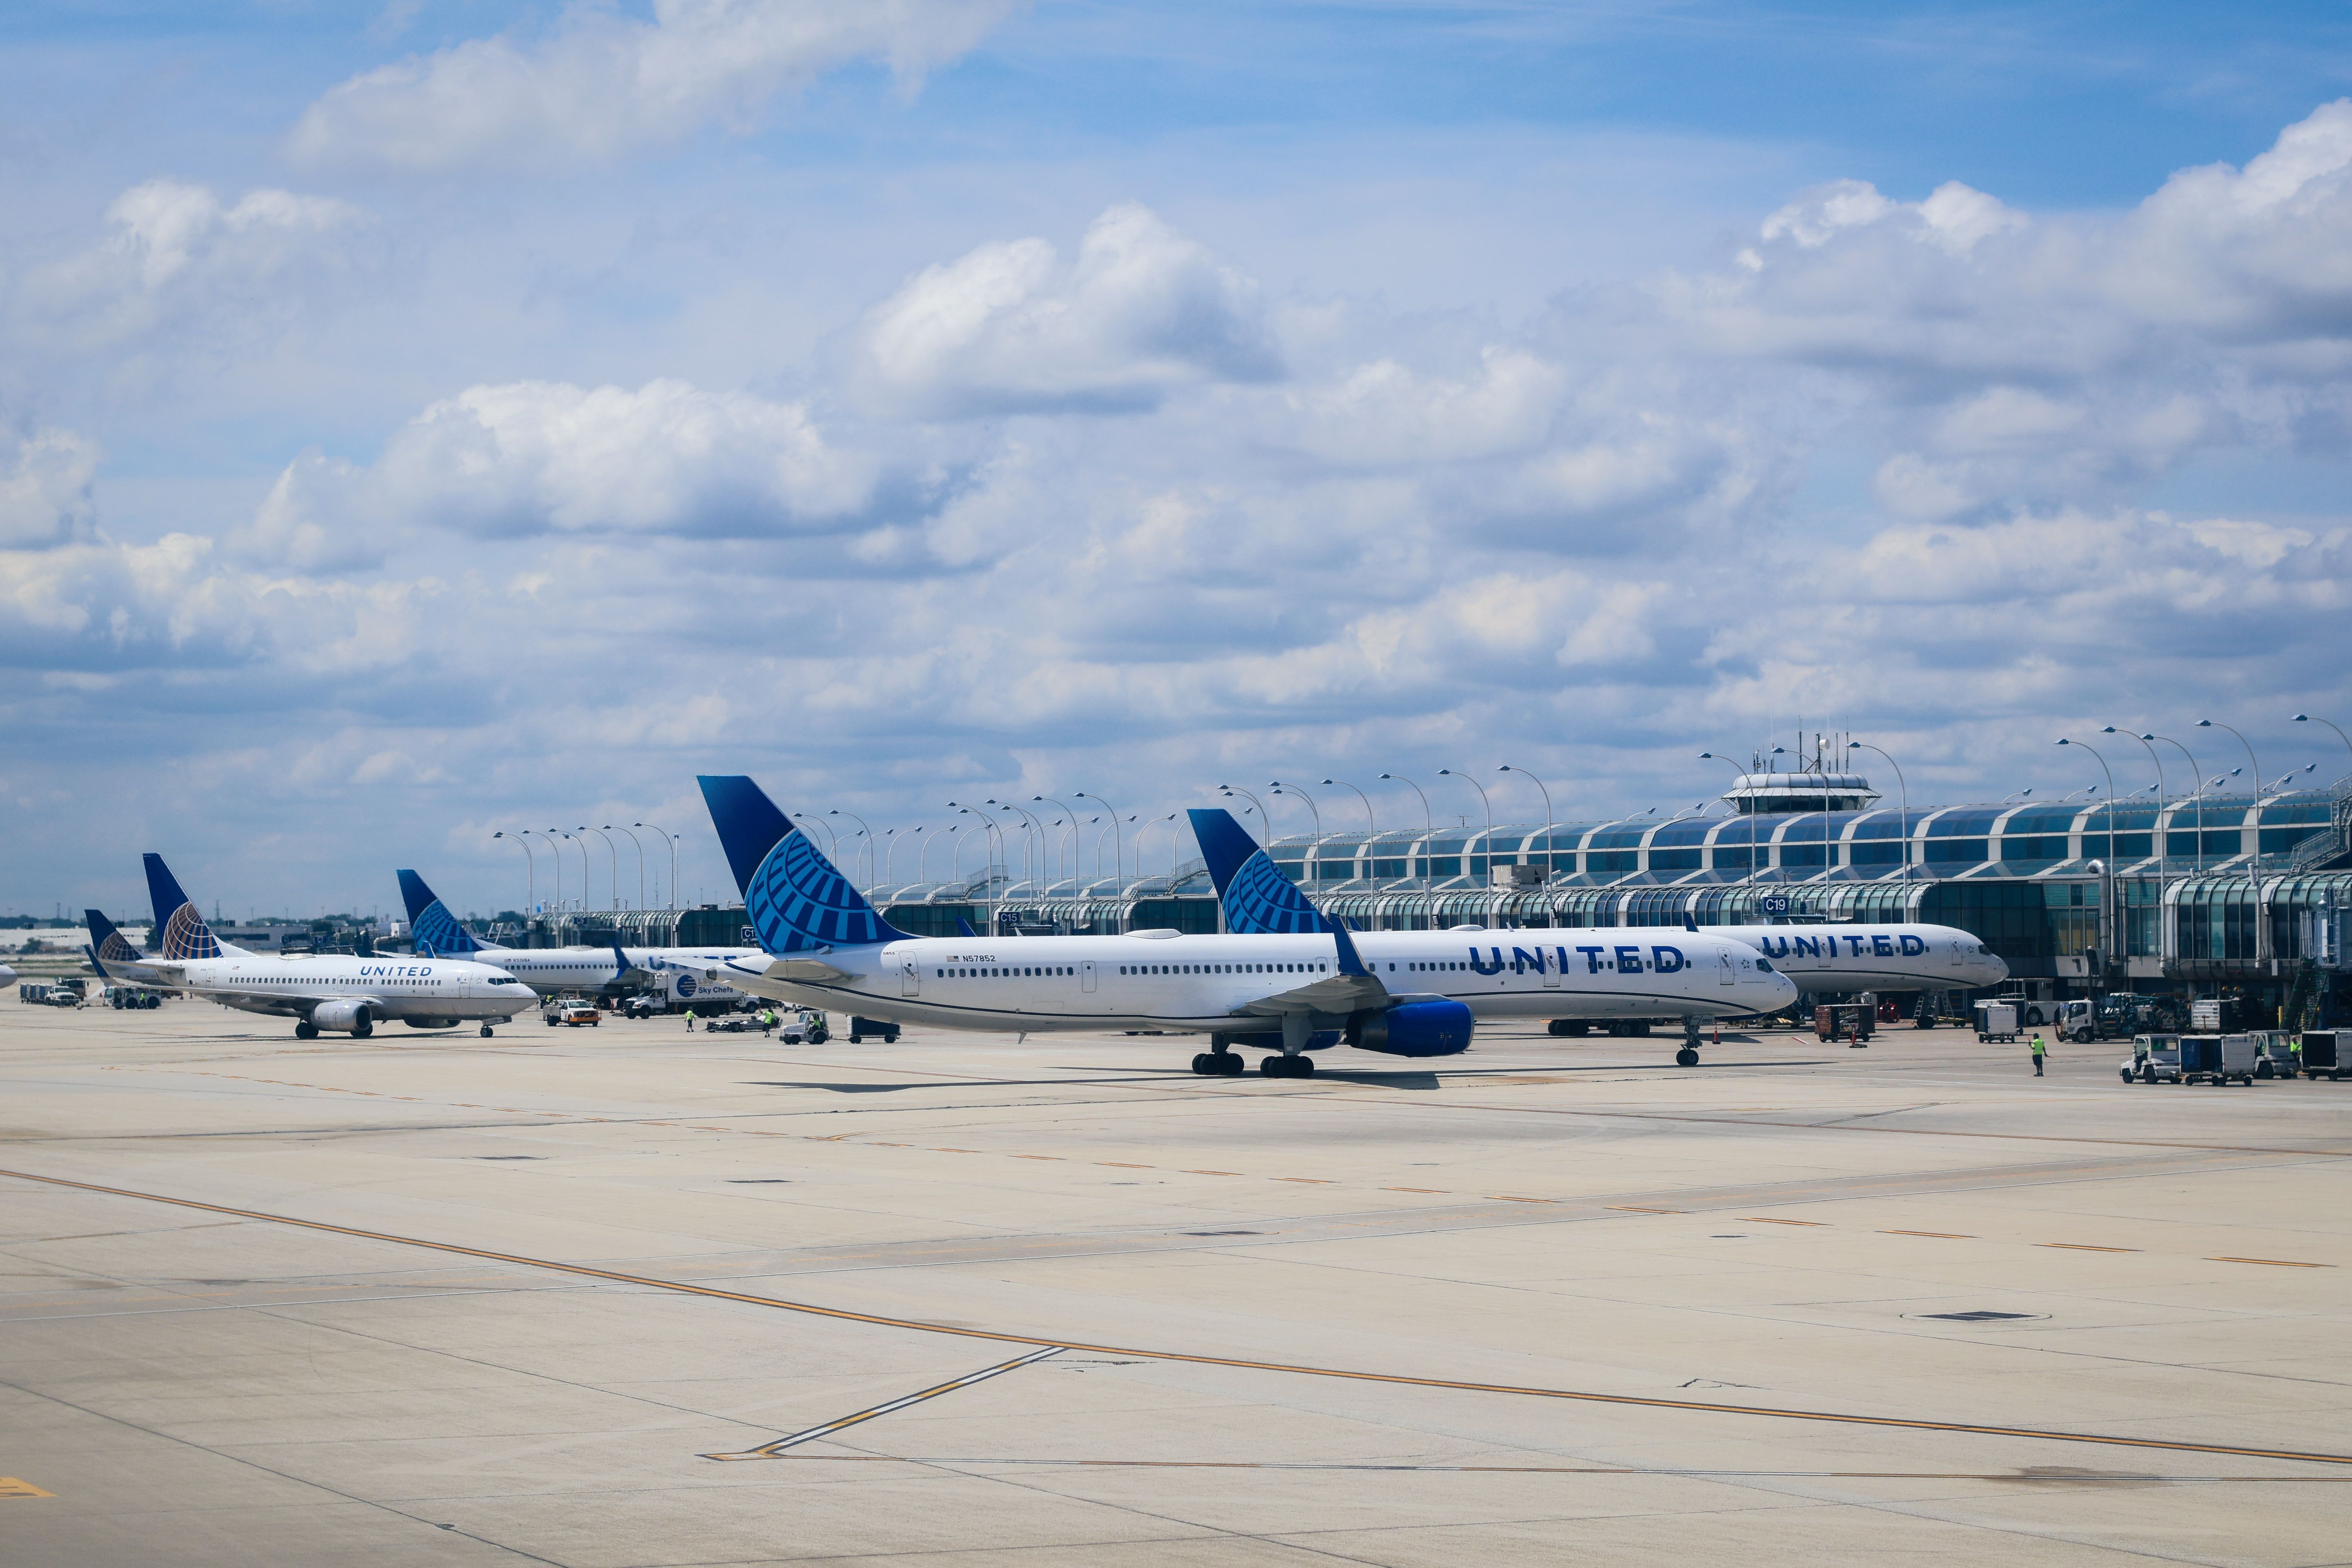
(407, 421)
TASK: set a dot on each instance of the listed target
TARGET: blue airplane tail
(1259, 901)
(108, 944)
(796, 899)
(431, 926)
(181, 932)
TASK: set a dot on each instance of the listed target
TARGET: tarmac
(633, 1295)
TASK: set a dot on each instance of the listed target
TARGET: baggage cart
(1996, 1021)
(882, 1029)
(2217, 1058)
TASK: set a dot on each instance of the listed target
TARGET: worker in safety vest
(2039, 1050)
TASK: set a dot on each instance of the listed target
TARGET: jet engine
(344, 1013)
(1434, 1026)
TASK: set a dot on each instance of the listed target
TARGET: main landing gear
(1219, 1063)
(486, 1031)
(1288, 1066)
(306, 1030)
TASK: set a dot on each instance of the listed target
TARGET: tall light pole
(2197, 776)
(1069, 837)
(1489, 807)
(1276, 786)
(1428, 827)
(1906, 788)
(2148, 741)
(1028, 821)
(1118, 836)
(1549, 824)
(2307, 718)
(1264, 821)
(641, 861)
(890, 862)
(2106, 912)
(2257, 768)
(865, 850)
(555, 852)
(1371, 825)
(529, 873)
(613, 854)
(832, 840)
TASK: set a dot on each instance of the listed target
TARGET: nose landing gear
(1688, 1056)
(486, 1031)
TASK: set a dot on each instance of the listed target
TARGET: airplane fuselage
(390, 988)
(1862, 957)
(1204, 985)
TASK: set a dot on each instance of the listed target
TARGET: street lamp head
(1445, 773)
(1388, 775)
(1707, 757)
(2303, 718)
(2064, 742)
(1330, 781)
(2204, 723)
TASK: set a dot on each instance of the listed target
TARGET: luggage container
(1996, 1021)
(2217, 1058)
(2155, 1058)
(1853, 1021)
(861, 1028)
(2323, 1054)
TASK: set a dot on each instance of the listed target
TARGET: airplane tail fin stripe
(430, 923)
(1258, 900)
(796, 899)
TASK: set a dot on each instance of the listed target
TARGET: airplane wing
(1352, 989)
(1339, 993)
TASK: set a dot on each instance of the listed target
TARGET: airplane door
(910, 978)
(1726, 972)
(1086, 976)
(1550, 971)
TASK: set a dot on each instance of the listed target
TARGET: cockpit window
(1764, 964)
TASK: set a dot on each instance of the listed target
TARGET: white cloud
(548, 457)
(1140, 312)
(600, 84)
(45, 492)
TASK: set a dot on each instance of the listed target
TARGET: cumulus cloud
(44, 494)
(178, 251)
(533, 458)
(1140, 312)
(600, 84)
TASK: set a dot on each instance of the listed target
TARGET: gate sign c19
(1773, 904)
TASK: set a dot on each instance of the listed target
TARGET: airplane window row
(1432, 966)
(1223, 968)
(998, 973)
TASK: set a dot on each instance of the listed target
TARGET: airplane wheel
(1274, 1066)
(1203, 1064)
(305, 1031)
(1557, 1026)
(1232, 1065)
(1686, 1057)
(486, 1031)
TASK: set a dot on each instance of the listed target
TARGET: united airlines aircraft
(1898, 957)
(1418, 995)
(684, 974)
(323, 991)
(114, 956)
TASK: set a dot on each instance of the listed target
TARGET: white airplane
(1258, 897)
(685, 974)
(115, 956)
(320, 991)
(1411, 995)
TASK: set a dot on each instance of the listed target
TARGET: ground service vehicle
(2323, 1054)
(573, 1014)
(805, 1027)
(2221, 1015)
(1852, 1021)
(2275, 1054)
(52, 994)
(1996, 1021)
(861, 1028)
(135, 996)
(2155, 1058)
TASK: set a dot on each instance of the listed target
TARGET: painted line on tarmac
(840, 1314)
(11, 1487)
(776, 1450)
(2026, 1476)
